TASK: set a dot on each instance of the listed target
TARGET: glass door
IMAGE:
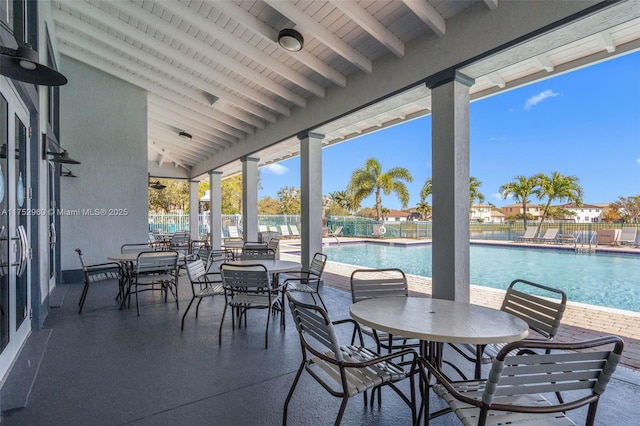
(15, 252)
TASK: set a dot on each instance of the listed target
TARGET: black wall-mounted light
(156, 185)
(22, 64)
(64, 172)
(184, 135)
(290, 40)
(62, 157)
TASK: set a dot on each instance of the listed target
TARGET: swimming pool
(608, 280)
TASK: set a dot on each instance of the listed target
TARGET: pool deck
(580, 321)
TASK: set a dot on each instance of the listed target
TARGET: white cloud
(536, 99)
(497, 138)
(497, 196)
(638, 160)
(275, 169)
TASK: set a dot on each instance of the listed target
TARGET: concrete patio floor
(109, 366)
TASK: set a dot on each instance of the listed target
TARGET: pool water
(608, 280)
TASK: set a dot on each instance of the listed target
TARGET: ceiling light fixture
(22, 64)
(184, 135)
(290, 40)
(62, 157)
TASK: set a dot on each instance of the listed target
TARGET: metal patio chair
(305, 280)
(99, 272)
(247, 287)
(524, 300)
(514, 392)
(155, 268)
(344, 370)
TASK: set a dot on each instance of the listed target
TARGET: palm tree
(426, 190)
(521, 189)
(474, 193)
(342, 199)
(371, 180)
(424, 209)
(558, 187)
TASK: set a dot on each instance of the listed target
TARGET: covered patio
(112, 367)
(206, 90)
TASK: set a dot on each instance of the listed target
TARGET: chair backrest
(244, 278)
(294, 230)
(284, 230)
(371, 283)
(577, 366)
(273, 243)
(628, 233)
(257, 253)
(233, 231)
(336, 231)
(196, 270)
(550, 234)
(204, 253)
(217, 258)
(82, 261)
(157, 261)
(135, 248)
(541, 307)
(317, 264)
(314, 328)
(262, 228)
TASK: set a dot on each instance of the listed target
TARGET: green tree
(342, 199)
(268, 205)
(231, 197)
(424, 209)
(557, 187)
(371, 180)
(289, 200)
(521, 189)
(628, 208)
(427, 189)
(474, 192)
(175, 196)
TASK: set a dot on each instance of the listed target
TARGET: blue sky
(584, 123)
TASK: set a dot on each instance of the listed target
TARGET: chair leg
(290, 394)
(185, 313)
(343, 406)
(322, 301)
(224, 311)
(85, 290)
(198, 306)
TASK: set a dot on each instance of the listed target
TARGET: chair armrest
(381, 358)
(356, 329)
(441, 379)
(99, 267)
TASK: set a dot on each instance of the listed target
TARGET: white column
(250, 198)
(450, 165)
(311, 193)
(215, 209)
(194, 209)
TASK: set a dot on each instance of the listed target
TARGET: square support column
(311, 193)
(450, 165)
(250, 198)
(215, 209)
(194, 210)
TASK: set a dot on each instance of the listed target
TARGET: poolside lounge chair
(336, 232)
(284, 231)
(628, 235)
(262, 228)
(528, 236)
(233, 232)
(550, 236)
(294, 231)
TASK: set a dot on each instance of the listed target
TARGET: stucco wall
(103, 125)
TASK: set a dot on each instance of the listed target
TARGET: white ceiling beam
(118, 25)
(371, 25)
(197, 114)
(183, 123)
(495, 78)
(167, 132)
(164, 153)
(121, 74)
(544, 62)
(491, 4)
(224, 36)
(164, 137)
(307, 25)
(269, 34)
(428, 14)
(606, 41)
(153, 77)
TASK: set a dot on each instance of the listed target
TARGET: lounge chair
(550, 236)
(263, 228)
(528, 236)
(628, 235)
(284, 231)
(336, 232)
(294, 231)
(378, 230)
(233, 232)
